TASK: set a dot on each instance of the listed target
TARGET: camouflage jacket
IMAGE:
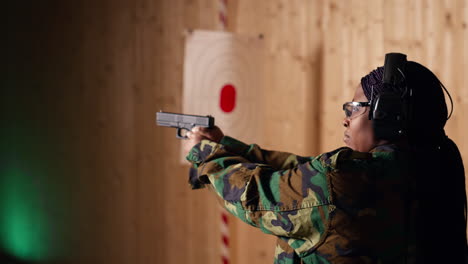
(340, 207)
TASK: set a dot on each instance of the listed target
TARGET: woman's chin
(346, 141)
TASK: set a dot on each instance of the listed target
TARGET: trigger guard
(179, 133)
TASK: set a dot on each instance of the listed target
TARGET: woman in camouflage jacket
(373, 201)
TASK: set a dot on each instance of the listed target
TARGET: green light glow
(25, 231)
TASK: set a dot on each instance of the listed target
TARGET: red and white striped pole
(222, 14)
(224, 237)
(224, 227)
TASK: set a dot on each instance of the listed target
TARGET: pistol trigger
(179, 133)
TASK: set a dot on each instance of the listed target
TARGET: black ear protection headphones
(390, 111)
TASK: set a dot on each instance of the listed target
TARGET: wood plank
(335, 40)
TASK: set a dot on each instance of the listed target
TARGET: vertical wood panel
(108, 74)
(463, 86)
(191, 227)
(203, 212)
(174, 207)
(250, 20)
(147, 90)
(335, 42)
(458, 128)
(292, 34)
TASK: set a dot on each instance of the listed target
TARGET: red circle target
(227, 98)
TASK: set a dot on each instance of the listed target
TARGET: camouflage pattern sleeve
(294, 203)
(276, 159)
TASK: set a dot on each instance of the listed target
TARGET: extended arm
(276, 159)
(293, 203)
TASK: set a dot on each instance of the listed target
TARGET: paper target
(223, 78)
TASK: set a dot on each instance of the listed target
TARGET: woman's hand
(199, 133)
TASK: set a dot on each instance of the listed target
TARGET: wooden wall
(105, 67)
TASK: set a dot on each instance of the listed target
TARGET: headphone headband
(393, 69)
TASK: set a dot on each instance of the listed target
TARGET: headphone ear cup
(388, 116)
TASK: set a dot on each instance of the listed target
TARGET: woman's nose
(345, 122)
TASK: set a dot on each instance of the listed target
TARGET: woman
(378, 200)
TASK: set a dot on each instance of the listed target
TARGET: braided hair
(437, 172)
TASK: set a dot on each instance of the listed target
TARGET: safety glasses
(353, 109)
